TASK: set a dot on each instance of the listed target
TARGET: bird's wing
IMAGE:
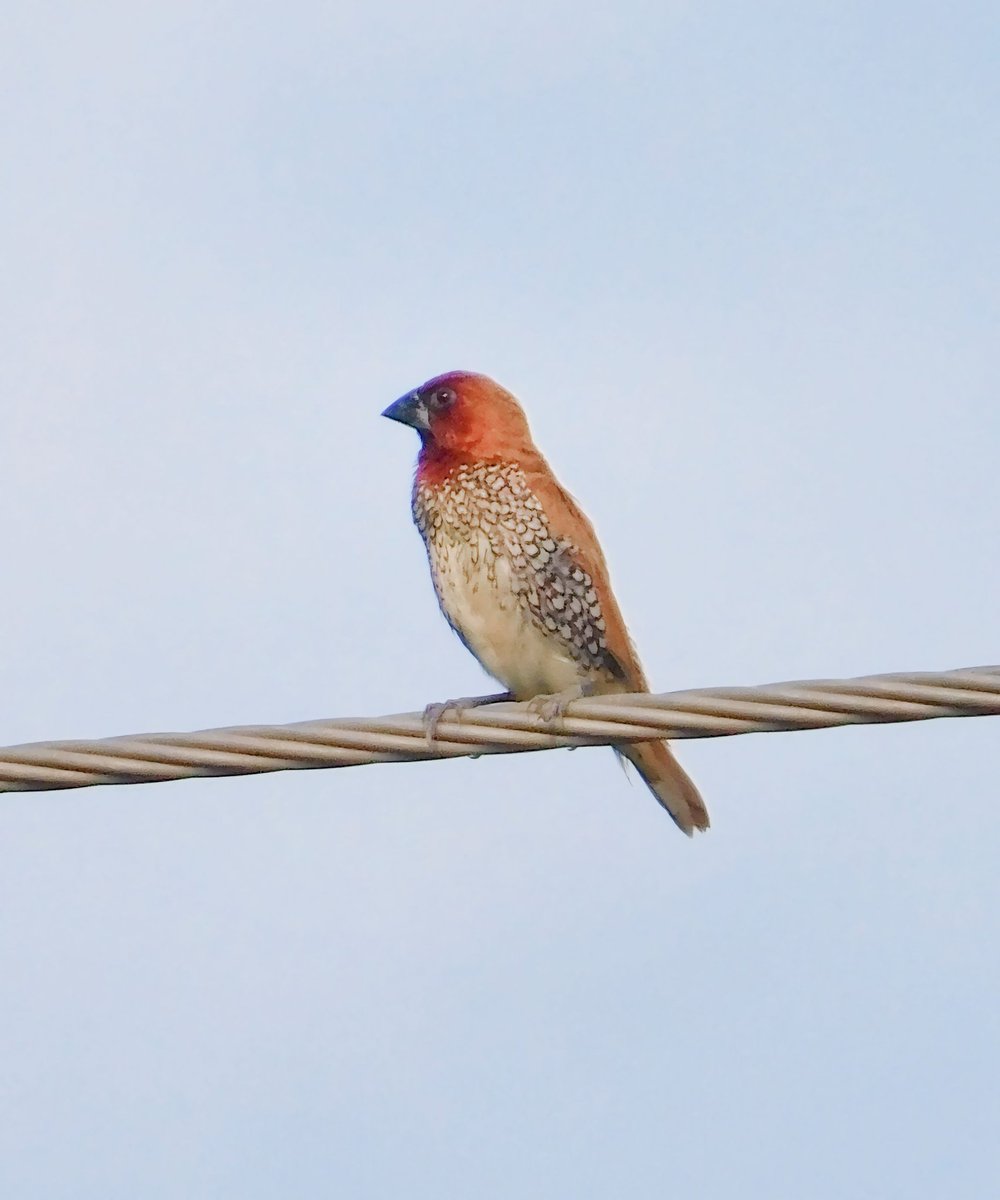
(660, 771)
(567, 521)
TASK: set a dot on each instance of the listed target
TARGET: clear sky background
(741, 264)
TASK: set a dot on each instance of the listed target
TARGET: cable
(501, 729)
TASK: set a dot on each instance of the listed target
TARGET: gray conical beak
(409, 410)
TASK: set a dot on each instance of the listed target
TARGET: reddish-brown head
(462, 417)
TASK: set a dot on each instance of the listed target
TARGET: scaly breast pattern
(510, 587)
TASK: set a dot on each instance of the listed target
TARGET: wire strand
(501, 729)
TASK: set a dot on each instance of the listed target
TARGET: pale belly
(480, 598)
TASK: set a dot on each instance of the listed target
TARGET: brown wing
(568, 523)
(660, 771)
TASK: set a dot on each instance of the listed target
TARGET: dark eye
(442, 398)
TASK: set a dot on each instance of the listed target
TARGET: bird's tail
(669, 783)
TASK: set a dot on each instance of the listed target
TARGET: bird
(518, 571)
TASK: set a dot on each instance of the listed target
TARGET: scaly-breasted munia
(517, 568)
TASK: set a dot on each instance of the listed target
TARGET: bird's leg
(550, 708)
(434, 713)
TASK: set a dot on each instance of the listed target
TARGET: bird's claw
(434, 713)
(552, 708)
(548, 708)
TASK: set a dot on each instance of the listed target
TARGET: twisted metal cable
(501, 729)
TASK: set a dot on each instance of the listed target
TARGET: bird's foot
(434, 713)
(551, 708)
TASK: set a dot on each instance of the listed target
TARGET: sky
(741, 263)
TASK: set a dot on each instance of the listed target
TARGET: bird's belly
(479, 596)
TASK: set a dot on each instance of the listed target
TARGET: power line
(501, 729)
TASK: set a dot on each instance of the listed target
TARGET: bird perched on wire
(518, 571)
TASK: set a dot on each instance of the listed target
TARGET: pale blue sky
(741, 264)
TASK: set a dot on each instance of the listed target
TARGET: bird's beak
(409, 410)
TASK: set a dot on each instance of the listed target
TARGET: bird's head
(462, 415)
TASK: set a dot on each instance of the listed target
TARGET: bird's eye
(442, 398)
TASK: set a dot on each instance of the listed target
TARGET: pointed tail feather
(669, 783)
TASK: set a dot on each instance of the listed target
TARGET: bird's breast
(507, 585)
